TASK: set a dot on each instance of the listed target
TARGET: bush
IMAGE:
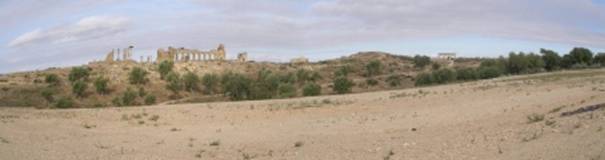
(371, 82)
(64, 102)
(150, 99)
(129, 97)
(79, 73)
(101, 85)
(48, 93)
(342, 85)
(311, 89)
(435, 66)
(52, 80)
(467, 74)
(444, 76)
(421, 61)
(424, 79)
(174, 82)
(394, 80)
(210, 82)
(286, 90)
(164, 68)
(489, 72)
(142, 92)
(116, 101)
(79, 88)
(236, 86)
(373, 68)
(343, 71)
(138, 76)
(191, 82)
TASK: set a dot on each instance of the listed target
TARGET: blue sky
(37, 34)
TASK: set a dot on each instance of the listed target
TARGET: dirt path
(475, 120)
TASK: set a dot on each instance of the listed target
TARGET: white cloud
(87, 28)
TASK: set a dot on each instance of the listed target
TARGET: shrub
(79, 88)
(467, 74)
(343, 71)
(191, 82)
(371, 82)
(48, 93)
(394, 80)
(236, 86)
(129, 97)
(150, 99)
(210, 82)
(138, 76)
(174, 82)
(101, 85)
(286, 90)
(164, 68)
(435, 66)
(142, 92)
(266, 85)
(116, 101)
(311, 89)
(421, 61)
(444, 76)
(489, 72)
(342, 85)
(424, 79)
(79, 73)
(373, 68)
(52, 80)
(64, 102)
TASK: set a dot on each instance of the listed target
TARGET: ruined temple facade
(126, 55)
(185, 55)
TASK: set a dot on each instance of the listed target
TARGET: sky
(37, 34)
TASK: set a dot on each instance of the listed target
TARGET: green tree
(52, 80)
(489, 72)
(421, 61)
(343, 71)
(191, 82)
(79, 73)
(552, 60)
(164, 68)
(342, 85)
(101, 85)
(236, 86)
(517, 63)
(174, 82)
(79, 88)
(210, 82)
(311, 89)
(138, 76)
(581, 56)
(373, 68)
(600, 59)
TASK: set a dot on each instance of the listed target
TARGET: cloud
(559, 21)
(85, 29)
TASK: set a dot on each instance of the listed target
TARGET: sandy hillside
(475, 120)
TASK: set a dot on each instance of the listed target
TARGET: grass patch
(533, 118)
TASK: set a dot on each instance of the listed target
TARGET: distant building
(447, 56)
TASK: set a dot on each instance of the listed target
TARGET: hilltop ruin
(173, 54)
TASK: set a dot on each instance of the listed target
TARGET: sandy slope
(475, 120)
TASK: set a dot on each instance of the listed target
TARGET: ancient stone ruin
(185, 55)
(126, 55)
(242, 57)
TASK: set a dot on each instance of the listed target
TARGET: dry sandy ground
(475, 120)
